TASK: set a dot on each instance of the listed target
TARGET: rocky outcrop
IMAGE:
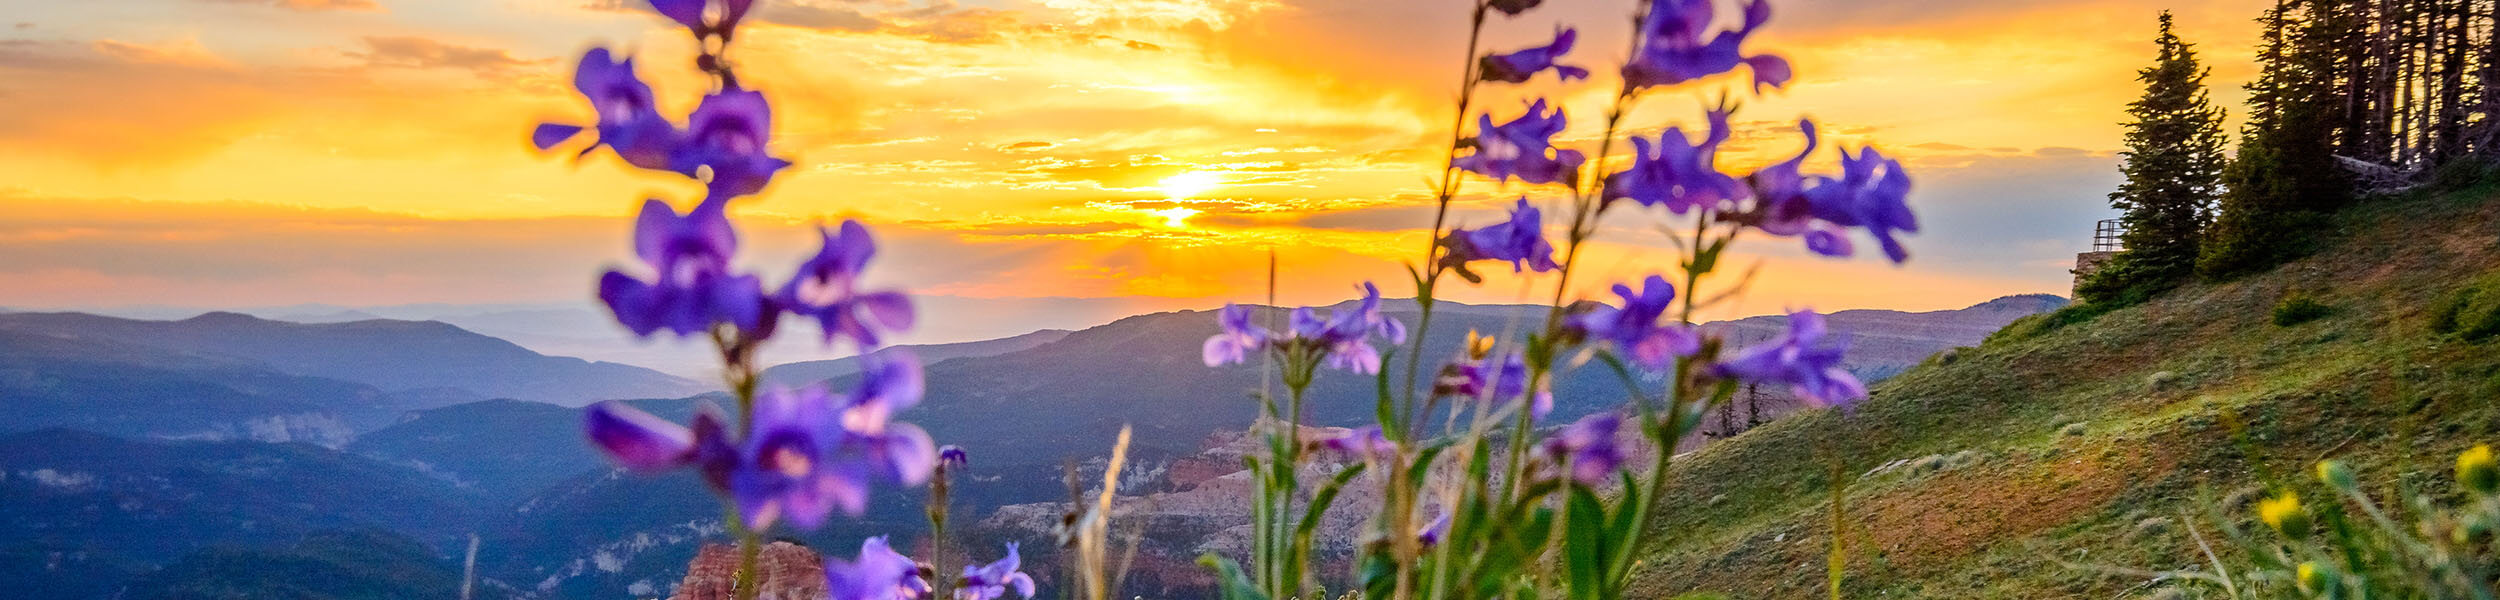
(785, 571)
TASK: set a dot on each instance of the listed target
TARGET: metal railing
(2109, 236)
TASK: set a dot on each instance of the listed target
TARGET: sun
(1190, 184)
(1175, 217)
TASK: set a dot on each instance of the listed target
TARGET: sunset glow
(257, 153)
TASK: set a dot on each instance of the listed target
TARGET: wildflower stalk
(1587, 205)
(1398, 504)
(938, 505)
(737, 367)
(1447, 191)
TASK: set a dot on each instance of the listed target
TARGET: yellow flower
(2336, 475)
(2283, 513)
(2476, 470)
(2315, 579)
(1478, 345)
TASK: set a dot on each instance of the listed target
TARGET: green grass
(2181, 399)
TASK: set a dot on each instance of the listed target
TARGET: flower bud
(2476, 470)
(2336, 475)
(2317, 579)
(2284, 514)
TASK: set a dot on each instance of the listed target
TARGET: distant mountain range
(393, 356)
(96, 509)
(419, 451)
(806, 372)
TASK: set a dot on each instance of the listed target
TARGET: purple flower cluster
(727, 133)
(1367, 443)
(1639, 329)
(1587, 448)
(1673, 49)
(724, 142)
(1343, 339)
(1677, 173)
(1493, 377)
(826, 288)
(807, 451)
(693, 288)
(1522, 148)
(1802, 359)
(1519, 241)
(1872, 193)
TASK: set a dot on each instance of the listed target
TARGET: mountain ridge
(392, 355)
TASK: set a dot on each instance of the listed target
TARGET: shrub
(2484, 327)
(2446, 316)
(2299, 308)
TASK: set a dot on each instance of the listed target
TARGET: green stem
(939, 498)
(1289, 570)
(1447, 190)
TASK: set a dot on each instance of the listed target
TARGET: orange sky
(369, 152)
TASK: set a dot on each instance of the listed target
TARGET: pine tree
(2174, 171)
(2285, 177)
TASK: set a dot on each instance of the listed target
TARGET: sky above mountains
(373, 152)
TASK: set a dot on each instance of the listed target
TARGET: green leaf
(1585, 545)
(1626, 518)
(1380, 577)
(1320, 501)
(1230, 582)
(1423, 465)
(1385, 409)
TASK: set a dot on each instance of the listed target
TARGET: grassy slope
(2016, 491)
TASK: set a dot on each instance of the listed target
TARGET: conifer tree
(2285, 178)
(2174, 169)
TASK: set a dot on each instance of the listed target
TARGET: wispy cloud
(1008, 149)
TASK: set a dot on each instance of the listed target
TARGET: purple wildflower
(784, 469)
(1679, 174)
(953, 456)
(693, 288)
(1800, 358)
(1589, 447)
(1343, 338)
(1522, 148)
(629, 121)
(1871, 193)
(1366, 443)
(1635, 328)
(1347, 337)
(1239, 337)
(1493, 378)
(1672, 50)
(1520, 66)
(889, 382)
(643, 443)
(991, 581)
(728, 132)
(826, 288)
(880, 573)
(1520, 241)
(1433, 532)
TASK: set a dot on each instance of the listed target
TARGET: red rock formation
(785, 571)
